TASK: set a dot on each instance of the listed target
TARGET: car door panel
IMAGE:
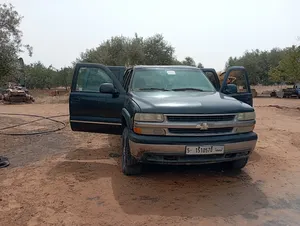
(91, 110)
(118, 72)
(240, 75)
(211, 74)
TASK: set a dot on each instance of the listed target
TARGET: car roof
(142, 66)
(163, 66)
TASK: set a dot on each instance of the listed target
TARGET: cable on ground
(3, 162)
(50, 118)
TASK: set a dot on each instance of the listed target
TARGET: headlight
(145, 117)
(246, 116)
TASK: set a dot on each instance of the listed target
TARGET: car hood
(188, 102)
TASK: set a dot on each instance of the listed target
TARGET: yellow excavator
(221, 74)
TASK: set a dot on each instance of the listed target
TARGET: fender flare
(127, 117)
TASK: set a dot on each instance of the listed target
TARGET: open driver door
(96, 100)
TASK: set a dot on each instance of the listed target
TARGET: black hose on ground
(3, 162)
(39, 119)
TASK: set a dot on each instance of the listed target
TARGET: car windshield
(171, 79)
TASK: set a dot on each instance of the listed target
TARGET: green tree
(189, 61)
(288, 69)
(64, 77)
(199, 65)
(10, 42)
(158, 51)
(39, 76)
(176, 61)
(110, 52)
(258, 64)
(135, 51)
(120, 50)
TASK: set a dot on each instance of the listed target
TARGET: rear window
(118, 72)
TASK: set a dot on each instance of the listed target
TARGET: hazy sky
(209, 31)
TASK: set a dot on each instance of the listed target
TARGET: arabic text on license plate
(204, 150)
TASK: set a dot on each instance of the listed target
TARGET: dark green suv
(166, 114)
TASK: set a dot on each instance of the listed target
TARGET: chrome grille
(197, 131)
(200, 118)
(186, 124)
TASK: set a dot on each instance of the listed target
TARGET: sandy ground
(68, 178)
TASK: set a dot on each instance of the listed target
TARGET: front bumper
(166, 150)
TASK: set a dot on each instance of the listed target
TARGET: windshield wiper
(184, 89)
(161, 89)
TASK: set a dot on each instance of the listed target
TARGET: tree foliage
(10, 41)
(39, 76)
(189, 61)
(288, 69)
(199, 65)
(116, 51)
(264, 67)
(267, 67)
(120, 50)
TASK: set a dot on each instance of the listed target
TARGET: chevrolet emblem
(202, 126)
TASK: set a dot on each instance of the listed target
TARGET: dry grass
(44, 97)
(52, 100)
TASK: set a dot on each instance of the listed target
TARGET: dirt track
(68, 178)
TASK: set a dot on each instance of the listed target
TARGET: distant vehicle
(288, 92)
(16, 94)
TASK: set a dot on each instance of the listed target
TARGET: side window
(128, 80)
(125, 78)
(116, 73)
(238, 78)
(89, 79)
(211, 78)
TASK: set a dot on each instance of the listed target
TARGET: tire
(237, 164)
(130, 166)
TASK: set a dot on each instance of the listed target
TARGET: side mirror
(231, 89)
(107, 88)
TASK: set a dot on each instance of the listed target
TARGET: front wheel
(237, 164)
(130, 166)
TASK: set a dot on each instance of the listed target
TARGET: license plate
(204, 150)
